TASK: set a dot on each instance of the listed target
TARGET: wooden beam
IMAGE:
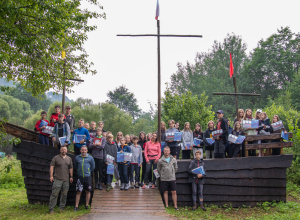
(268, 145)
(241, 94)
(261, 137)
(155, 35)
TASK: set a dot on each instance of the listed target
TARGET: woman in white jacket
(187, 141)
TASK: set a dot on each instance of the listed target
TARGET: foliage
(294, 89)
(31, 121)
(11, 173)
(124, 100)
(186, 108)
(4, 109)
(36, 103)
(14, 205)
(88, 113)
(32, 35)
(142, 124)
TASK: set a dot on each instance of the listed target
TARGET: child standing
(209, 148)
(235, 148)
(40, 125)
(251, 131)
(136, 161)
(198, 134)
(220, 142)
(173, 145)
(187, 141)
(61, 129)
(54, 116)
(110, 149)
(197, 181)
(80, 131)
(98, 154)
(123, 166)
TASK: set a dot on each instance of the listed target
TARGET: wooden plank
(272, 173)
(268, 145)
(35, 167)
(273, 136)
(34, 160)
(241, 182)
(241, 163)
(33, 181)
(183, 189)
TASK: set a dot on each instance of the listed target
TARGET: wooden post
(158, 79)
(64, 89)
(236, 100)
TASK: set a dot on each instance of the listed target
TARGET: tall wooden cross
(236, 94)
(158, 35)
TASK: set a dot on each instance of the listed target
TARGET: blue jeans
(123, 172)
(134, 168)
(43, 139)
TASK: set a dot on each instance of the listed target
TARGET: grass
(265, 211)
(14, 205)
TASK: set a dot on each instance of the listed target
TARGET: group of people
(98, 150)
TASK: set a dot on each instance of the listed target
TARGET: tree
(186, 108)
(274, 63)
(125, 100)
(36, 103)
(33, 35)
(294, 89)
(30, 122)
(4, 109)
(210, 73)
(142, 124)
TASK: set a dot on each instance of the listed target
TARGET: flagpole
(159, 89)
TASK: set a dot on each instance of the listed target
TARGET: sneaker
(96, 185)
(108, 188)
(122, 186)
(194, 206)
(144, 186)
(87, 207)
(132, 185)
(153, 186)
(137, 185)
(51, 211)
(76, 209)
(100, 187)
(202, 206)
(127, 186)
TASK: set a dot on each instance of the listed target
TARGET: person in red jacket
(54, 116)
(39, 126)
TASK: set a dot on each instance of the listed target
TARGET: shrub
(11, 173)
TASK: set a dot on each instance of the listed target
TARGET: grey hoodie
(136, 154)
(110, 149)
(187, 137)
(167, 170)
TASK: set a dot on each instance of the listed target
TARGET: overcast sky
(133, 61)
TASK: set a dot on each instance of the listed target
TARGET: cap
(220, 111)
(259, 110)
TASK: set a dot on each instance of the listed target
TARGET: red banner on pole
(231, 67)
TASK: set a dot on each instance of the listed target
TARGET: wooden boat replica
(233, 181)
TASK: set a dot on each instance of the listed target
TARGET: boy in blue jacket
(85, 165)
(80, 131)
(123, 166)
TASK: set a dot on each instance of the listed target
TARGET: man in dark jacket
(70, 119)
(85, 165)
(220, 142)
(197, 180)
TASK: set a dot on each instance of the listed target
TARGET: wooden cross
(236, 94)
(158, 35)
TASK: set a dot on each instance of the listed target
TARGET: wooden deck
(132, 201)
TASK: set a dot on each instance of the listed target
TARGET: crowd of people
(98, 151)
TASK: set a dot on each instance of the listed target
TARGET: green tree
(35, 102)
(294, 89)
(125, 100)
(32, 36)
(142, 124)
(4, 109)
(88, 113)
(186, 108)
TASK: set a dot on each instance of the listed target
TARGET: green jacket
(167, 170)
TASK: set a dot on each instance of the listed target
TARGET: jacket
(224, 127)
(268, 128)
(54, 116)
(241, 132)
(167, 170)
(110, 149)
(162, 136)
(137, 157)
(81, 131)
(126, 149)
(152, 151)
(187, 137)
(198, 135)
(207, 134)
(98, 150)
(37, 127)
(173, 143)
(66, 132)
(71, 121)
(193, 177)
(84, 165)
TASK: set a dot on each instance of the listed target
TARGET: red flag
(157, 10)
(231, 67)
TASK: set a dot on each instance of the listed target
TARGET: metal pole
(64, 89)
(236, 100)
(159, 92)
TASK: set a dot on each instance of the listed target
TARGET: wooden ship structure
(232, 181)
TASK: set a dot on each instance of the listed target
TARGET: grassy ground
(267, 210)
(14, 205)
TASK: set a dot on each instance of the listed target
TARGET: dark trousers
(109, 178)
(178, 151)
(134, 168)
(219, 149)
(98, 170)
(197, 189)
(123, 172)
(144, 171)
(233, 150)
(148, 171)
(43, 139)
(186, 154)
(104, 169)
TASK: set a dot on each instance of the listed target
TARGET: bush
(11, 173)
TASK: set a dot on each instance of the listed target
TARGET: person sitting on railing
(264, 128)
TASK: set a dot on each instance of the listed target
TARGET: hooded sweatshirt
(167, 170)
(110, 149)
(81, 131)
(137, 157)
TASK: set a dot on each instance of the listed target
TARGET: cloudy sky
(133, 61)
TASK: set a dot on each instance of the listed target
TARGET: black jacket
(207, 135)
(193, 165)
(268, 128)
(224, 127)
(198, 135)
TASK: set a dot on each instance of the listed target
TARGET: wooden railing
(270, 145)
